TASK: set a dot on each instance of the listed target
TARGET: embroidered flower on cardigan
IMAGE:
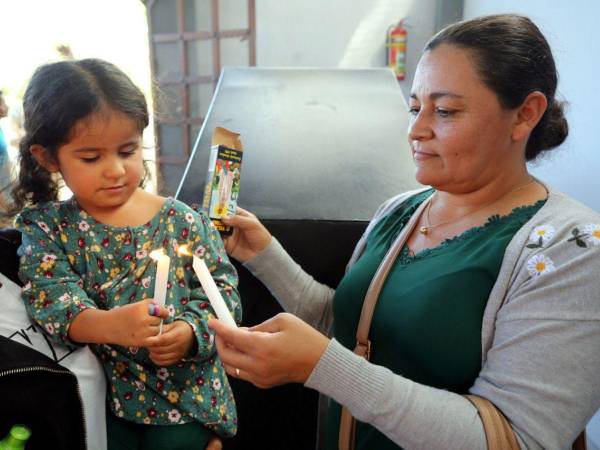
(591, 232)
(541, 235)
(540, 265)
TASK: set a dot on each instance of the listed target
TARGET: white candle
(210, 287)
(162, 277)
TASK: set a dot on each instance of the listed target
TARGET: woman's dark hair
(57, 97)
(513, 59)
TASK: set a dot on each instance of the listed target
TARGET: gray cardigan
(540, 341)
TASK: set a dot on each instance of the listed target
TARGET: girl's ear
(43, 157)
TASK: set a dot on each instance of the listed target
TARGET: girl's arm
(129, 325)
(54, 296)
(53, 293)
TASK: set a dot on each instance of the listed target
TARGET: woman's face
(459, 134)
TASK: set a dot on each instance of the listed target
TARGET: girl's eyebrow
(97, 149)
(86, 149)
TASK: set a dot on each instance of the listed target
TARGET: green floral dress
(71, 262)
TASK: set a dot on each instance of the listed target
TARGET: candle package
(222, 186)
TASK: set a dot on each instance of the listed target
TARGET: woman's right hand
(249, 237)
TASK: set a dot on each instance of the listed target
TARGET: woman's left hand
(283, 349)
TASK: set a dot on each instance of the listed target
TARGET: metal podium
(323, 148)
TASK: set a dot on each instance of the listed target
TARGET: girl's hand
(132, 325)
(249, 236)
(281, 350)
(172, 345)
(214, 444)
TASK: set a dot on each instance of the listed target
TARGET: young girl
(85, 261)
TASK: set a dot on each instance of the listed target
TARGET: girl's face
(459, 134)
(102, 162)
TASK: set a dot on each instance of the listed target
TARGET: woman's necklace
(424, 230)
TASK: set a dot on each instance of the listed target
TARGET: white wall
(339, 33)
(571, 29)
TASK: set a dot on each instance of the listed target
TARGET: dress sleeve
(52, 291)
(198, 310)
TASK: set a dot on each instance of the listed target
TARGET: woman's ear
(43, 157)
(529, 114)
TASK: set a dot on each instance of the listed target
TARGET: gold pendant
(424, 231)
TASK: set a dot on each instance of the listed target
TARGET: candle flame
(183, 250)
(157, 254)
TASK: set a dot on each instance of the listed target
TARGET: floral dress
(71, 262)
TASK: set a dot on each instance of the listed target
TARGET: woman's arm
(298, 292)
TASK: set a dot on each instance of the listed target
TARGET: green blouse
(427, 322)
(71, 262)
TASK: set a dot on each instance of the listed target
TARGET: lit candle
(162, 277)
(210, 287)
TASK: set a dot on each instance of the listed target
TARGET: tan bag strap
(498, 432)
(347, 437)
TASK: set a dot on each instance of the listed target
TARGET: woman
(495, 292)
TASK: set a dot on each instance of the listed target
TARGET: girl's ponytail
(34, 183)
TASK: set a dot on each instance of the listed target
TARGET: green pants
(126, 435)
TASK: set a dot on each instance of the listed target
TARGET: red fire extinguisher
(396, 49)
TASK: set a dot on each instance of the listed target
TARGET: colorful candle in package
(223, 177)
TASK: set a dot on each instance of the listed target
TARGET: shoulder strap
(347, 436)
(498, 432)
(363, 345)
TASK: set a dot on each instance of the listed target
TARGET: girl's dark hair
(57, 97)
(513, 59)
